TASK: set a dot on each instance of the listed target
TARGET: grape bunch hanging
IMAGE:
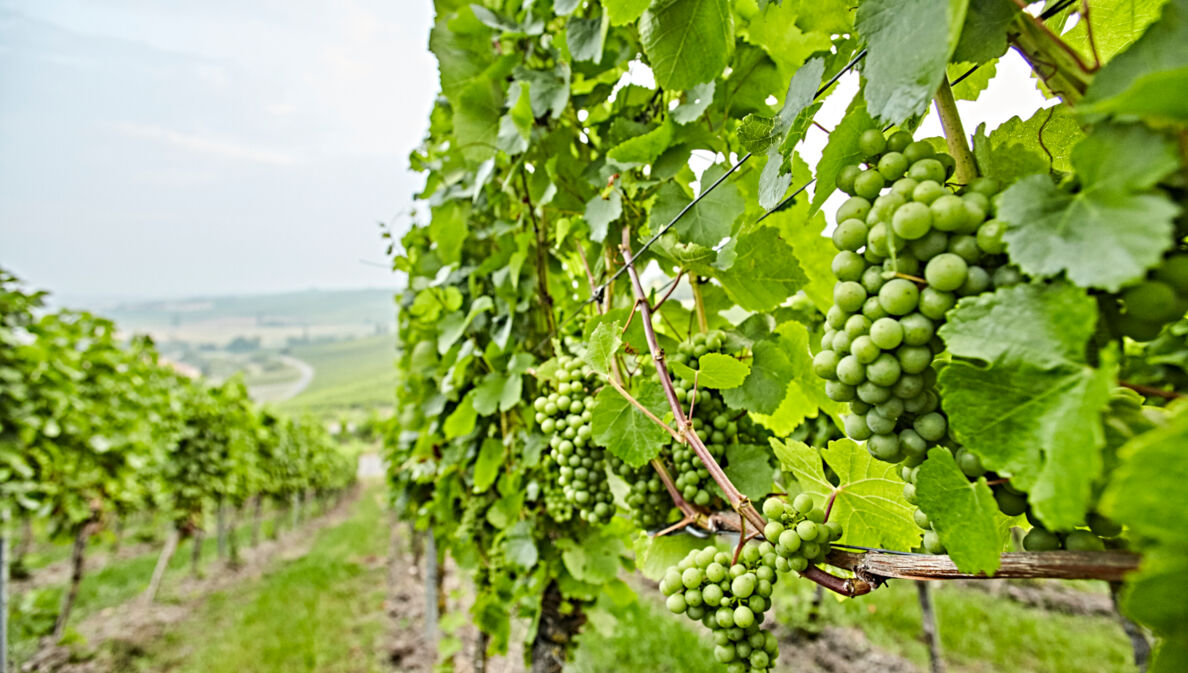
(563, 414)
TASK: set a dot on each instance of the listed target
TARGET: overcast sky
(166, 149)
(152, 149)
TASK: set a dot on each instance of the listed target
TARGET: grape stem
(1151, 391)
(946, 108)
(698, 304)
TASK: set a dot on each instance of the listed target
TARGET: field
(348, 375)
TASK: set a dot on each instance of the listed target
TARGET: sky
(152, 150)
(162, 150)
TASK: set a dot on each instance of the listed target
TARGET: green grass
(322, 612)
(355, 373)
(979, 632)
(646, 637)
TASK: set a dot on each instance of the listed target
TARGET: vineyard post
(928, 619)
(4, 520)
(431, 569)
(257, 519)
(171, 541)
(24, 543)
(221, 527)
(196, 552)
(232, 537)
(1138, 639)
(77, 557)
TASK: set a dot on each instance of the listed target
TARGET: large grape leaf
(655, 555)
(757, 133)
(962, 512)
(908, 45)
(593, 557)
(1116, 25)
(814, 251)
(869, 502)
(749, 469)
(766, 385)
(642, 149)
(764, 271)
(984, 32)
(687, 42)
(622, 12)
(1147, 494)
(600, 212)
(786, 43)
(841, 150)
(1143, 79)
(603, 344)
(1110, 232)
(486, 467)
(1033, 410)
(1041, 144)
(706, 223)
(805, 394)
(625, 430)
(520, 548)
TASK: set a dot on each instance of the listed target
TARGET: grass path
(321, 612)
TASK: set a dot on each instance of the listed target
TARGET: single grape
(899, 141)
(1174, 272)
(1102, 526)
(899, 296)
(912, 220)
(904, 187)
(849, 295)
(948, 213)
(989, 237)
(929, 245)
(868, 184)
(977, 281)
(1151, 300)
(1082, 540)
(927, 191)
(865, 350)
(855, 207)
(1010, 504)
(934, 303)
(825, 364)
(846, 177)
(918, 151)
(946, 272)
(1040, 539)
(893, 165)
(931, 426)
(850, 235)
(884, 371)
(932, 543)
(886, 333)
(927, 169)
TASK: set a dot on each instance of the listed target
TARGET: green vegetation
(322, 612)
(351, 374)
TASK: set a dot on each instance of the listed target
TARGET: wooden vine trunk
(555, 632)
(77, 556)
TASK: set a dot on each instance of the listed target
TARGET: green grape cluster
(557, 506)
(1162, 297)
(730, 599)
(908, 248)
(647, 498)
(564, 413)
(799, 531)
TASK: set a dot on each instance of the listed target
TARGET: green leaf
(642, 149)
(708, 222)
(634, 336)
(448, 229)
(1034, 412)
(486, 468)
(1157, 58)
(805, 394)
(721, 371)
(1117, 24)
(841, 150)
(476, 120)
(908, 45)
(767, 383)
(655, 555)
(962, 512)
(869, 502)
(694, 102)
(757, 134)
(984, 32)
(778, 32)
(624, 430)
(687, 42)
(1018, 148)
(1108, 234)
(521, 546)
(623, 12)
(749, 468)
(1147, 494)
(773, 182)
(548, 90)
(600, 212)
(585, 37)
(461, 421)
(764, 271)
(498, 391)
(601, 348)
(594, 558)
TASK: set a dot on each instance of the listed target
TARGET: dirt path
(132, 624)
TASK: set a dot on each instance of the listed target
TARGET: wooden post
(196, 552)
(221, 528)
(431, 589)
(1138, 640)
(4, 519)
(931, 633)
(172, 538)
(554, 632)
(257, 519)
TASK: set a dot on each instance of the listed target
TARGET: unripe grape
(893, 165)
(803, 503)
(871, 143)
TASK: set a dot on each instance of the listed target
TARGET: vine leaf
(758, 133)
(603, 344)
(642, 149)
(984, 31)
(1147, 494)
(1033, 411)
(624, 430)
(585, 37)
(1110, 232)
(869, 503)
(706, 223)
(908, 44)
(963, 513)
(687, 42)
(600, 212)
(520, 548)
(1147, 79)
(696, 101)
(486, 467)
(655, 555)
(461, 420)
(763, 271)
(749, 469)
(623, 12)
(721, 371)
(767, 383)
(841, 150)
(1017, 147)
(805, 392)
(594, 557)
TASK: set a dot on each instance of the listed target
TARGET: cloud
(207, 146)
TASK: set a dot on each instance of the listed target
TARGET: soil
(835, 650)
(1046, 595)
(127, 628)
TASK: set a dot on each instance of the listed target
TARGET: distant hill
(275, 319)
